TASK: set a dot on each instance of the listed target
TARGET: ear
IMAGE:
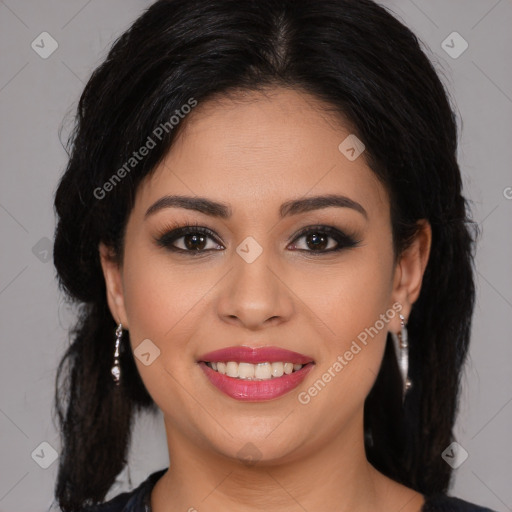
(409, 271)
(114, 285)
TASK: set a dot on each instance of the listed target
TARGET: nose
(255, 295)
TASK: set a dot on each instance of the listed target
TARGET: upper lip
(255, 355)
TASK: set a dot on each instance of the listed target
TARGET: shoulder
(136, 500)
(443, 503)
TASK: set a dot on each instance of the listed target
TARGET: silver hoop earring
(402, 354)
(116, 369)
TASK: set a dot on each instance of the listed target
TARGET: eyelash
(171, 233)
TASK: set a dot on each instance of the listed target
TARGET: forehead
(258, 148)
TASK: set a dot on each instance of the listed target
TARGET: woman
(263, 220)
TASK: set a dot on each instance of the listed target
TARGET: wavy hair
(365, 65)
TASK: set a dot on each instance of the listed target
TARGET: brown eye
(317, 240)
(195, 240)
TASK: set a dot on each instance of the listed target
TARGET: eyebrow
(223, 210)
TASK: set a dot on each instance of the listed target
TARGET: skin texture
(255, 152)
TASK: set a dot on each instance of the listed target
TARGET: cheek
(353, 301)
(160, 296)
(162, 303)
(350, 296)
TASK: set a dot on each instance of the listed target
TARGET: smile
(249, 371)
(255, 374)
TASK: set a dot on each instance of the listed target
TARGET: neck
(333, 476)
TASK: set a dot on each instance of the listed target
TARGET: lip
(255, 390)
(244, 354)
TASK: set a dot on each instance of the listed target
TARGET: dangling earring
(116, 369)
(402, 354)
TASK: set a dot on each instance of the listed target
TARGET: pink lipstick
(247, 389)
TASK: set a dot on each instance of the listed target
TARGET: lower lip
(255, 390)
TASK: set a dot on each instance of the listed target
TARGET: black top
(139, 500)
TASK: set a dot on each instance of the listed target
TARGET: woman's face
(257, 280)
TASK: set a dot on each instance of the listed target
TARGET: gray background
(35, 96)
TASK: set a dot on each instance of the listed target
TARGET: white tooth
(263, 371)
(277, 369)
(260, 371)
(245, 370)
(232, 369)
